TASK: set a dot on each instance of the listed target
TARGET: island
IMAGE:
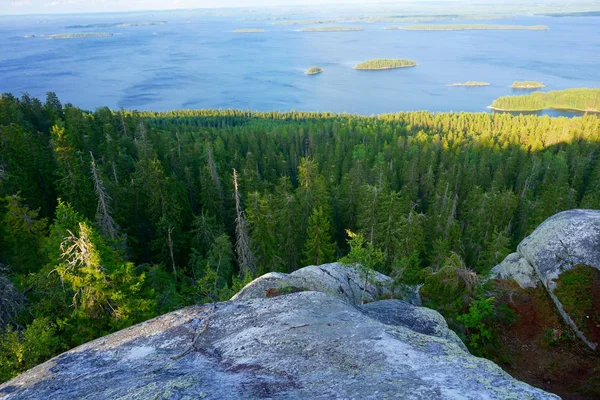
(249, 31)
(582, 100)
(117, 25)
(314, 71)
(471, 83)
(307, 22)
(77, 35)
(332, 29)
(527, 85)
(469, 27)
(380, 64)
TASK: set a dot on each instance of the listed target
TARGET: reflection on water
(196, 61)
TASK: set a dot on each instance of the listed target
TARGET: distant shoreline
(469, 27)
(590, 110)
(378, 69)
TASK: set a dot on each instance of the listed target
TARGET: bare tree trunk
(170, 231)
(212, 167)
(242, 243)
(105, 221)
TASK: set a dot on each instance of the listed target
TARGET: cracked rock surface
(311, 344)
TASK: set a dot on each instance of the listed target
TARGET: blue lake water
(196, 61)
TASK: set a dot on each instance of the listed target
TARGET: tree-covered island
(314, 71)
(584, 100)
(385, 64)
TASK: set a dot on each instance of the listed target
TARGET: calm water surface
(196, 61)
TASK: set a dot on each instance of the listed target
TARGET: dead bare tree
(11, 301)
(246, 259)
(170, 242)
(212, 167)
(105, 221)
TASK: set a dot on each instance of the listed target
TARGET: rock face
(336, 279)
(559, 244)
(312, 344)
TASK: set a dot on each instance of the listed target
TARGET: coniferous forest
(109, 218)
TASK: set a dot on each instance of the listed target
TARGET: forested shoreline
(109, 218)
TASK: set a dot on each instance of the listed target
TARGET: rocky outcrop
(303, 345)
(558, 245)
(346, 282)
(307, 344)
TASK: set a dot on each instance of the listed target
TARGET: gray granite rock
(560, 243)
(336, 279)
(309, 345)
(517, 268)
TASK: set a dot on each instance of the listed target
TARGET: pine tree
(318, 248)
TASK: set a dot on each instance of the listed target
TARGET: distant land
(117, 25)
(332, 29)
(385, 64)
(582, 100)
(249, 31)
(573, 14)
(306, 22)
(469, 27)
(471, 83)
(80, 35)
(527, 85)
(314, 70)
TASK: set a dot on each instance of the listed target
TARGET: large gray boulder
(347, 282)
(562, 242)
(310, 345)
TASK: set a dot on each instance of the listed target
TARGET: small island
(314, 71)
(471, 84)
(469, 27)
(78, 35)
(527, 85)
(582, 100)
(333, 29)
(249, 31)
(380, 64)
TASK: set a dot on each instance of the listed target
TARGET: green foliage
(22, 234)
(569, 99)
(433, 199)
(20, 351)
(477, 320)
(318, 248)
(575, 290)
(385, 64)
(364, 257)
(314, 71)
(527, 85)
(450, 287)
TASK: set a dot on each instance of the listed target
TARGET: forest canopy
(108, 218)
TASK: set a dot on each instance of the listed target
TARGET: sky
(76, 6)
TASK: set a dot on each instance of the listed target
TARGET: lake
(196, 61)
